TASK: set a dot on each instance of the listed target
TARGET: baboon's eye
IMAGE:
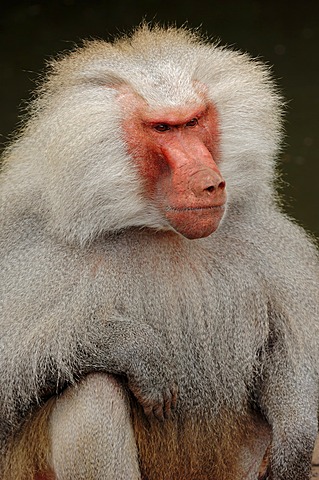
(192, 123)
(161, 127)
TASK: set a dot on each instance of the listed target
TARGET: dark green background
(285, 34)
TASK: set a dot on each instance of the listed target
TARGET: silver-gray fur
(93, 280)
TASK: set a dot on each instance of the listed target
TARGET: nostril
(212, 188)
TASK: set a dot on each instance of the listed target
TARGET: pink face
(176, 151)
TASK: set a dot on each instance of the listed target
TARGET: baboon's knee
(91, 432)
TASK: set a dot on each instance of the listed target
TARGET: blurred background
(283, 34)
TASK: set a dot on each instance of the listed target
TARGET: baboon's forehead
(160, 71)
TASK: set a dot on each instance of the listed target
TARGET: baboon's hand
(151, 380)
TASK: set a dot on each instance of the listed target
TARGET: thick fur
(93, 279)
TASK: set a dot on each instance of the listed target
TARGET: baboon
(159, 312)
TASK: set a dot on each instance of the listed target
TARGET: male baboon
(152, 328)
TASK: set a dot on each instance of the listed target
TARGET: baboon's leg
(91, 432)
